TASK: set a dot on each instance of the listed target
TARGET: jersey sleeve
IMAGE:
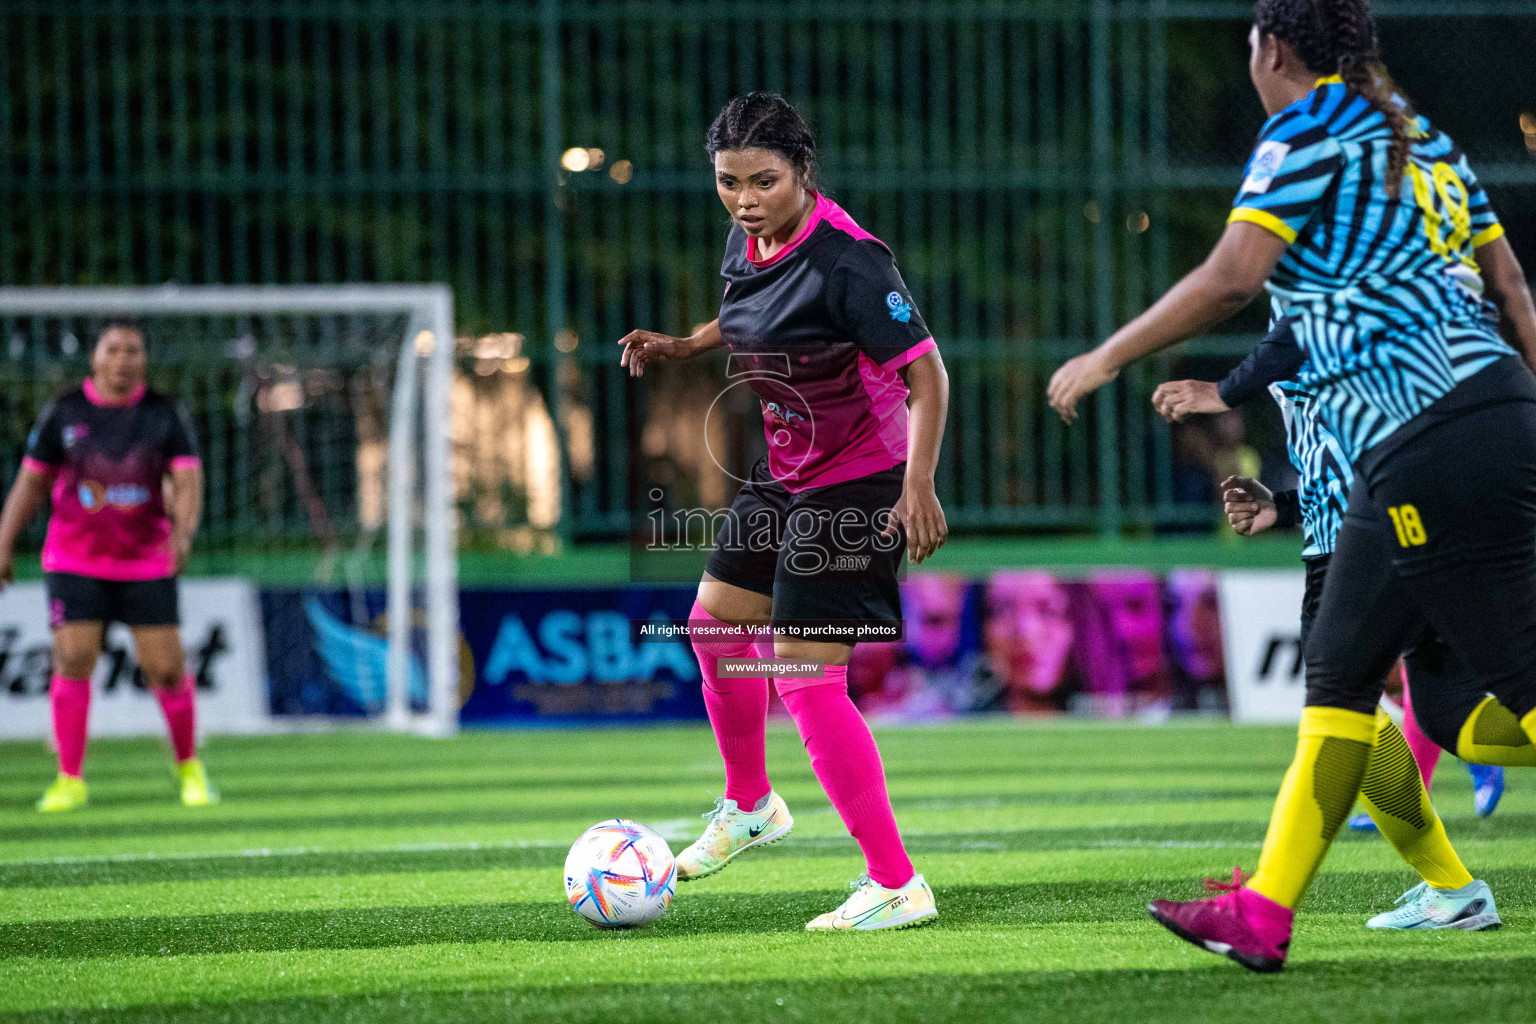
(1287, 510)
(1288, 174)
(45, 445)
(181, 442)
(1485, 223)
(869, 302)
(1275, 358)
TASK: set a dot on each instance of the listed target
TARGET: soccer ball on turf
(620, 874)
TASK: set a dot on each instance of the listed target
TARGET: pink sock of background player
(70, 701)
(179, 705)
(1426, 752)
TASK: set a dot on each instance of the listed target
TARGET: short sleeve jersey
(108, 463)
(819, 330)
(1384, 291)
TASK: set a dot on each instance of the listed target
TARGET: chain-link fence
(1042, 171)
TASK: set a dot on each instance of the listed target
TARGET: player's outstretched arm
(1275, 358)
(1504, 282)
(1228, 280)
(642, 347)
(20, 505)
(928, 407)
(1249, 505)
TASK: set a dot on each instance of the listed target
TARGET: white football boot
(872, 906)
(730, 831)
(1469, 908)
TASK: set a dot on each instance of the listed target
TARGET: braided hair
(765, 120)
(1338, 37)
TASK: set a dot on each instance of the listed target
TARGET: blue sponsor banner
(568, 656)
(527, 657)
(327, 653)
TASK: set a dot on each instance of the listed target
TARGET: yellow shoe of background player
(66, 794)
(195, 790)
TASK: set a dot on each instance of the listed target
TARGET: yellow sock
(1393, 793)
(1492, 735)
(1528, 725)
(1332, 748)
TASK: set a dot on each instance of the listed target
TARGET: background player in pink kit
(849, 469)
(115, 544)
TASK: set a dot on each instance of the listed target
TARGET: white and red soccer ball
(620, 874)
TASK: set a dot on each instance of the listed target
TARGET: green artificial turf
(359, 877)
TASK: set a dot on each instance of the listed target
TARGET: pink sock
(738, 711)
(1426, 752)
(847, 764)
(70, 700)
(180, 708)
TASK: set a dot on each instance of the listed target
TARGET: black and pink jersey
(821, 328)
(108, 464)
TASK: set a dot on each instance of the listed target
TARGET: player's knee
(790, 685)
(74, 663)
(1337, 680)
(1445, 730)
(163, 677)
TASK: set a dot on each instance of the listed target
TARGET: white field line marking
(290, 851)
(1170, 844)
(664, 828)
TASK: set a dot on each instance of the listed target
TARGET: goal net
(322, 415)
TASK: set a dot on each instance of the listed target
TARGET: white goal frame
(429, 339)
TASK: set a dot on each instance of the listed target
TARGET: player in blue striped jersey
(1448, 691)
(1387, 296)
(1381, 255)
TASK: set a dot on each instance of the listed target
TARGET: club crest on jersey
(1266, 164)
(782, 414)
(73, 432)
(900, 308)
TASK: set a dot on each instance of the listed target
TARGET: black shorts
(1317, 572)
(1441, 533)
(73, 598)
(818, 553)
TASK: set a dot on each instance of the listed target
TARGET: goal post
(418, 432)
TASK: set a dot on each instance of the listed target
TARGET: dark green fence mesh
(1042, 171)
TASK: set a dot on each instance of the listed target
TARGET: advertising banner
(1261, 620)
(220, 626)
(1028, 642)
(527, 657)
(1110, 643)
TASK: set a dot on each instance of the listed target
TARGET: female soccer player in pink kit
(113, 547)
(853, 394)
